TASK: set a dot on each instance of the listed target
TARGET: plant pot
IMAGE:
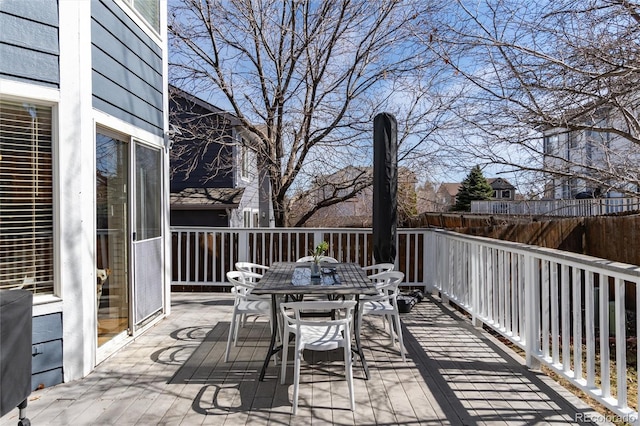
(315, 270)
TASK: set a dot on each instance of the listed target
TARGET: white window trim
(142, 22)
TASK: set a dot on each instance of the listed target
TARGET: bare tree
(567, 66)
(306, 78)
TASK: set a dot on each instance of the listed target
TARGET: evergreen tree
(474, 187)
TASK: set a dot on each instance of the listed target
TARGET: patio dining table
(293, 279)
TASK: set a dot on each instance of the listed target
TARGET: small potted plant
(319, 251)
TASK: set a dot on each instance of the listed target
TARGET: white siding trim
(14, 90)
(75, 185)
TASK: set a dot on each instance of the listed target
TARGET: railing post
(532, 312)
(243, 246)
(474, 251)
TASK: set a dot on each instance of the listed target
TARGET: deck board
(175, 374)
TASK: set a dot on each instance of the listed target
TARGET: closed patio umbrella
(385, 187)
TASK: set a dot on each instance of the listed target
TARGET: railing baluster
(577, 324)
(545, 308)
(605, 363)
(589, 321)
(621, 343)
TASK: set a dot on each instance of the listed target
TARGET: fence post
(532, 312)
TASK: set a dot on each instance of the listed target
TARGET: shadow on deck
(455, 374)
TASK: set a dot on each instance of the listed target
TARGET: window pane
(112, 234)
(26, 197)
(150, 11)
(149, 192)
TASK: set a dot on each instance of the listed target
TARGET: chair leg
(232, 332)
(285, 353)
(275, 356)
(296, 380)
(238, 325)
(348, 371)
(392, 336)
(399, 333)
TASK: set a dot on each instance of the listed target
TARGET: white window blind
(26, 197)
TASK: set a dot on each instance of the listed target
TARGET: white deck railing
(572, 208)
(543, 300)
(202, 256)
(546, 301)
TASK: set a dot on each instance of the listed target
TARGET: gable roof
(206, 198)
(450, 188)
(231, 118)
(500, 183)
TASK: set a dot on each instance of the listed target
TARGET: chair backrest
(388, 282)
(378, 267)
(241, 283)
(253, 271)
(292, 312)
(327, 259)
(255, 268)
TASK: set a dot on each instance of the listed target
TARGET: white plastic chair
(327, 259)
(254, 268)
(317, 335)
(378, 267)
(245, 304)
(373, 272)
(385, 304)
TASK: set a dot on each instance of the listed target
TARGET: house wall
(584, 152)
(29, 42)
(250, 201)
(192, 117)
(126, 69)
(71, 68)
(29, 71)
(217, 218)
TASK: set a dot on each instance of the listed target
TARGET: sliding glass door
(112, 239)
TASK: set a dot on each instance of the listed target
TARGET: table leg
(356, 323)
(272, 345)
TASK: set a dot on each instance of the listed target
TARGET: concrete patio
(174, 374)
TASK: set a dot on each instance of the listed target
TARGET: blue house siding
(29, 52)
(193, 118)
(29, 41)
(46, 352)
(126, 68)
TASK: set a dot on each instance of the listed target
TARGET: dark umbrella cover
(385, 187)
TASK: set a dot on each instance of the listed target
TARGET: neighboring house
(502, 189)
(355, 211)
(446, 196)
(580, 158)
(83, 123)
(447, 193)
(426, 198)
(215, 178)
(358, 210)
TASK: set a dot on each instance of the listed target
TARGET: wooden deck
(174, 374)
